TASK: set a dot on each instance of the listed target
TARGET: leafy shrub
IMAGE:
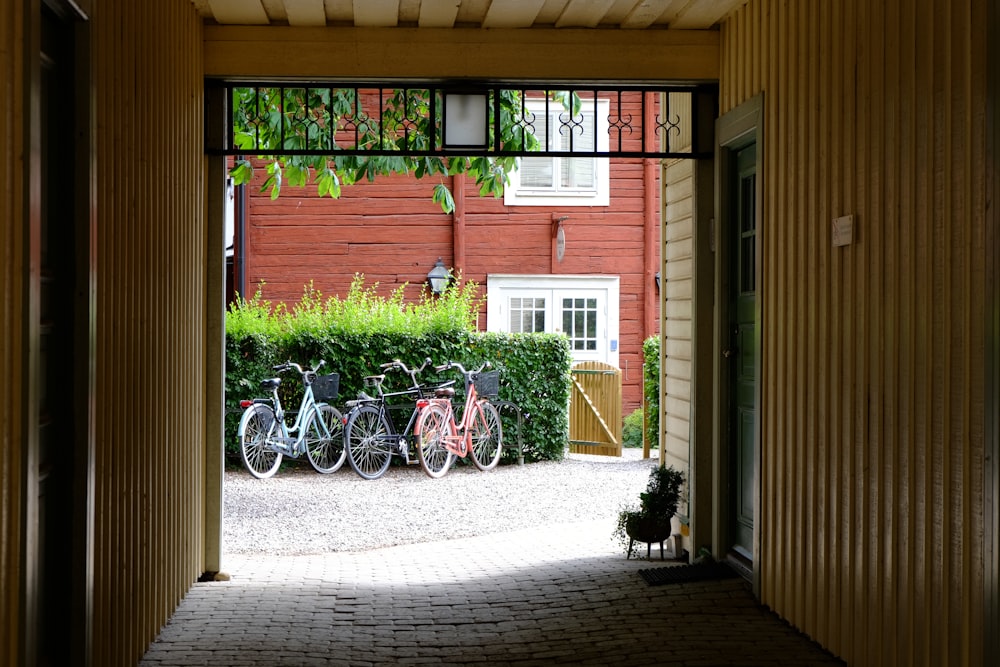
(651, 388)
(632, 429)
(358, 334)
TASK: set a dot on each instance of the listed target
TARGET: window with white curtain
(563, 181)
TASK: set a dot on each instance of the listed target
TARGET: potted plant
(650, 522)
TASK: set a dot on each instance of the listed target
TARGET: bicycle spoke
(258, 457)
(487, 437)
(367, 442)
(434, 426)
(325, 439)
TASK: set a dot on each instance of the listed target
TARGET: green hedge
(534, 375)
(534, 368)
(651, 388)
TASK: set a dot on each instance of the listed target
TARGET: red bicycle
(477, 434)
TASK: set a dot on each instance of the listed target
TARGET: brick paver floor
(562, 595)
(548, 596)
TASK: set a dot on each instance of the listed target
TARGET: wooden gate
(595, 409)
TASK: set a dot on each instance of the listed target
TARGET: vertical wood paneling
(872, 410)
(12, 351)
(676, 313)
(151, 347)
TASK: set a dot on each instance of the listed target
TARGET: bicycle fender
(246, 416)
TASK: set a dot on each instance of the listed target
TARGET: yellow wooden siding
(150, 423)
(12, 352)
(676, 309)
(872, 411)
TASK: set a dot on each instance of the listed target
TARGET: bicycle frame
(458, 440)
(371, 435)
(280, 438)
(288, 442)
(395, 437)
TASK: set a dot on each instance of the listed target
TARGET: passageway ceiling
(493, 14)
(499, 40)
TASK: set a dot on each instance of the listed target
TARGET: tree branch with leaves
(298, 132)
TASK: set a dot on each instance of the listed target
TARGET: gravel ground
(301, 512)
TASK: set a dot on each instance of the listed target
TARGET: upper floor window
(563, 181)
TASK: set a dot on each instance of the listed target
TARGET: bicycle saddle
(271, 383)
(444, 392)
(362, 398)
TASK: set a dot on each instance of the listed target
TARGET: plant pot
(648, 530)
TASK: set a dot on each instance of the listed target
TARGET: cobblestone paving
(553, 595)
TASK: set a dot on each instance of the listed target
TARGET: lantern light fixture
(438, 277)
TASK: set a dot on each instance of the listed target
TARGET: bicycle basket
(326, 387)
(487, 384)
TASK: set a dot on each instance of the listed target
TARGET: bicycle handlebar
(455, 364)
(281, 368)
(412, 372)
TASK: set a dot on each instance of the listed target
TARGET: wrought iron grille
(410, 119)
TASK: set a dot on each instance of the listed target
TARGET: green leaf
(242, 172)
(442, 196)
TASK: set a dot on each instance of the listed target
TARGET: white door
(581, 314)
(585, 308)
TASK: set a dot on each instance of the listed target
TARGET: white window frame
(517, 195)
(500, 287)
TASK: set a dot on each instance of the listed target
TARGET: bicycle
(478, 433)
(370, 435)
(318, 430)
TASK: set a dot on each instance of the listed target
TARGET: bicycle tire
(487, 437)
(433, 425)
(325, 454)
(368, 449)
(256, 424)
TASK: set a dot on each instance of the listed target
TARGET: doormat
(679, 574)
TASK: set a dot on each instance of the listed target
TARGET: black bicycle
(371, 436)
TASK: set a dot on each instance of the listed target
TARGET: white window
(584, 308)
(563, 181)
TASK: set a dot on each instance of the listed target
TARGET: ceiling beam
(513, 14)
(644, 13)
(584, 13)
(248, 12)
(305, 12)
(438, 13)
(376, 13)
(550, 55)
(705, 13)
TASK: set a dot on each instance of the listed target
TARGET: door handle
(730, 352)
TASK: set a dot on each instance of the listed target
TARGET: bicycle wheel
(487, 437)
(255, 426)
(433, 425)
(326, 454)
(365, 437)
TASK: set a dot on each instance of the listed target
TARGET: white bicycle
(318, 430)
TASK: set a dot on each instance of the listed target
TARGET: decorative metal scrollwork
(386, 118)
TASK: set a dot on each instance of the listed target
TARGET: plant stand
(649, 531)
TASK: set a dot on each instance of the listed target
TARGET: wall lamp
(657, 279)
(438, 277)
(465, 125)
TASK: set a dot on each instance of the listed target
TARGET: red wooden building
(572, 246)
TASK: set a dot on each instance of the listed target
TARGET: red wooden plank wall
(390, 231)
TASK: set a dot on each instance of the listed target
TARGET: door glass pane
(579, 319)
(527, 314)
(748, 232)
